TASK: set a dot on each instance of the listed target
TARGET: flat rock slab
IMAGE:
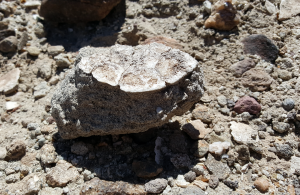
(125, 89)
(10, 81)
(288, 9)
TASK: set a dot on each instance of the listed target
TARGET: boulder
(125, 90)
(73, 11)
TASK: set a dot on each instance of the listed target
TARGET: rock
(190, 176)
(217, 168)
(31, 184)
(201, 184)
(240, 67)
(63, 60)
(139, 86)
(3, 153)
(9, 44)
(4, 25)
(284, 75)
(271, 8)
(196, 129)
(102, 187)
(54, 80)
(76, 11)
(87, 175)
(243, 153)
(11, 105)
(39, 30)
(34, 51)
(55, 50)
(284, 150)
(41, 90)
(163, 40)
(180, 181)
(146, 169)
(288, 104)
(288, 9)
(262, 46)
(241, 133)
(6, 9)
(202, 112)
(207, 6)
(262, 185)
(33, 126)
(6, 33)
(280, 127)
(12, 178)
(200, 148)
(23, 40)
(79, 148)
(32, 4)
(48, 155)
(213, 182)
(223, 16)
(257, 80)
(181, 161)
(16, 150)
(51, 191)
(156, 186)
(61, 174)
(231, 184)
(295, 164)
(222, 100)
(198, 169)
(10, 81)
(247, 104)
(218, 147)
(45, 67)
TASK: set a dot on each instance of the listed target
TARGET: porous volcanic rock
(125, 89)
(73, 11)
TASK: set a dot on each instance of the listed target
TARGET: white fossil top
(138, 69)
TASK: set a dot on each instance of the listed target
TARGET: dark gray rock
(288, 104)
(284, 150)
(217, 168)
(156, 186)
(231, 184)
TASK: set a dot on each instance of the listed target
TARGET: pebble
(207, 6)
(181, 182)
(201, 148)
(3, 153)
(262, 185)
(11, 105)
(217, 168)
(284, 150)
(156, 186)
(222, 100)
(10, 81)
(42, 141)
(16, 150)
(41, 90)
(213, 182)
(280, 127)
(190, 176)
(145, 169)
(271, 8)
(34, 51)
(198, 169)
(33, 126)
(9, 44)
(247, 104)
(201, 184)
(55, 50)
(241, 132)
(240, 67)
(196, 129)
(231, 184)
(288, 104)
(79, 148)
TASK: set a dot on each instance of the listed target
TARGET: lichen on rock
(125, 89)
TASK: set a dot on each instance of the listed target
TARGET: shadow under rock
(115, 158)
(98, 34)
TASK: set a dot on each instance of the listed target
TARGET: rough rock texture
(9, 82)
(262, 184)
(257, 80)
(242, 66)
(217, 168)
(106, 90)
(241, 132)
(262, 46)
(288, 9)
(156, 186)
(9, 44)
(223, 17)
(76, 11)
(247, 104)
(16, 150)
(102, 187)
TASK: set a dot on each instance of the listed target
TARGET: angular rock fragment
(262, 46)
(288, 9)
(242, 66)
(16, 150)
(257, 80)
(217, 168)
(10, 81)
(125, 89)
(223, 17)
(156, 186)
(71, 11)
(102, 187)
(9, 44)
(241, 132)
(247, 104)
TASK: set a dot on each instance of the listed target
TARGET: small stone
(32, 4)
(156, 186)
(218, 147)
(241, 133)
(271, 8)
(201, 184)
(280, 127)
(191, 190)
(61, 174)
(288, 104)
(45, 67)
(146, 169)
(222, 100)
(217, 168)
(225, 111)
(202, 112)
(55, 50)
(198, 169)
(4, 25)
(87, 175)
(284, 75)
(3, 153)
(247, 104)
(9, 44)
(240, 67)
(48, 155)
(257, 80)
(207, 6)
(79, 148)
(262, 185)
(190, 176)
(34, 51)
(11, 105)
(288, 9)
(284, 151)
(223, 17)
(262, 46)
(12, 178)
(201, 148)
(42, 141)
(23, 40)
(213, 182)
(33, 126)
(63, 60)
(196, 129)
(41, 90)
(10, 81)
(39, 30)
(231, 184)
(16, 150)
(180, 181)
(54, 80)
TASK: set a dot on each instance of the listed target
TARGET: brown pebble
(262, 184)
(291, 189)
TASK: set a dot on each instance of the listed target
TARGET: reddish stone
(247, 104)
